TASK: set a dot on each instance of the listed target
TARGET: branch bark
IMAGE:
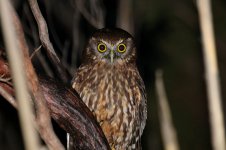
(74, 116)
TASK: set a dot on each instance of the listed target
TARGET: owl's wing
(142, 109)
(142, 106)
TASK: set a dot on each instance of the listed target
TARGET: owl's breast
(109, 95)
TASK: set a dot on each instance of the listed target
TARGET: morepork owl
(109, 83)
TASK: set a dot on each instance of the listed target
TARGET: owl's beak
(112, 56)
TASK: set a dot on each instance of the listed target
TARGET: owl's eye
(121, 48)
(101, 47)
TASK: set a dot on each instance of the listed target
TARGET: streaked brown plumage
(109, 83)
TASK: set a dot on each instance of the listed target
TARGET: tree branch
(74, 116)
(16, 62)
(69, 111)
(44, 37)
(65, 106)
(42, 113)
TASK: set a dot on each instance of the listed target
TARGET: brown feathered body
(115, 94)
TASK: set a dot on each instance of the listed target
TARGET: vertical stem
(125, 17)
(168, 131)
(212, 75)
(14, 54)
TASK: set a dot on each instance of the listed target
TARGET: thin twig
(44, 37)
(35, 51)
(96, 21)
(42, 61)
(20, 82)
(45, 65)
(34, 34)
(5, 80)
(167, 128)
(212, 75)
(8, 97)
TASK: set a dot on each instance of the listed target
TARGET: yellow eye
(121, 48)
(101, 47)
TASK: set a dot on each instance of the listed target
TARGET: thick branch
(71, 114)
(68, 110)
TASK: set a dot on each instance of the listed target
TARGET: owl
(109, 83)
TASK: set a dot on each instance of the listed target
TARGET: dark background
(167, 36)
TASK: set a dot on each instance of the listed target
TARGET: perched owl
(109, 83)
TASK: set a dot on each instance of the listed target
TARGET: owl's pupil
(121, 47)
(102, 47)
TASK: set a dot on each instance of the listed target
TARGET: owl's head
(111, 46)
